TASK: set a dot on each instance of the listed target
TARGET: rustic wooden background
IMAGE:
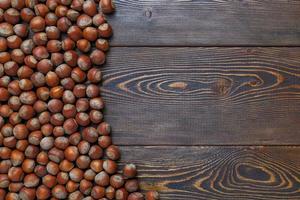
(204, 96)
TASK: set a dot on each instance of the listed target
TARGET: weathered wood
(206, 22)
(188, 96)
(218, 173)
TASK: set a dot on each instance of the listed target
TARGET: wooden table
(204, 96)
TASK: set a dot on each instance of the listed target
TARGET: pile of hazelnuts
(54, 143)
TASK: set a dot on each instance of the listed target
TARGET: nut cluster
(54, 143)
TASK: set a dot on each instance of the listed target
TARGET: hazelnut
(17, 157)
(75, 33)
(85, 186)
(56, 92)
(70, 57)
(46, 129)
(97, 103)
(99, 19)
(79, 90)
(40, 106)
(89, 175)
(102, 179)
(50, 19)
(4, 181)
(68, 44)
(15, 174)
(30, 3)
(107, 6)
(69, 111)
(11, 68)
(82, 105)
(61, 142)
(4, 94)
(40, 38)
(102, 44)
(95, 152)
(27, 14)
(83, 147)
(76, 195)
(59, 192)
(22, 145)
(37, 24)
(104, 141)
(98, 192)
(14, 118)
(136, 196)
(72, 15)
(92, 91)
(132, 185)
(105, 30)
(97, 57)
(31, 180)
(5, 4)
(18, 56)
(5, 111)
(40, 171)
(52, 4)
(110, 166)
(21, 30)
(61, 11)
(47, 143)
(113, 152)
(10, 142)
(66, 166)
(25, 84)
(54, 46)
(62, 178)
(70, 126)
(110, 192)
(41, 10)
(14, 88)
(4, 56)
(57, 119)
(38, 79)
(28, 165)
(40, 53)
(121, 194)
(3, 44)
(72, 186)
(71, 153)
(27, 47)
(129, 171)
(32, 151)
(6, 29)
(55, 105)
(57, 58)
(84, 62)
(45, 65)
(12, 16)
(43, 192)
(49, 181)
(68, 97)
(77, 5)
(76, 175)
(28, 97)
(18, 4)
(90, 134)
(75, 138)
(78, 75)
(104, 128)
(52, 168)
(83, 45)
(83, 162)
(15, 187)
(117, 181)
(84, 21)
(56, 155)
(63, 24)
(152, 195)
(89, 7)
(67, 83)
(5, 153)
(20, 131)
(42, 158)
(96, 165)
(24, 72)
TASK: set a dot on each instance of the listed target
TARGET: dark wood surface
(219, 173)
(206, 22)
(196, 96)
(200, 122)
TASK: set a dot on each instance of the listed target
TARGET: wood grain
(211, 96)
(218, 173)
(206, 23)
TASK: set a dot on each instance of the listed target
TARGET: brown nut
(131, 185)
(27, 47)
(117, 181)
(136, 196)
(15, 174)
(76, 175)
(42, 158)
(84, 62)
(69, 111)
(70, 126)
(28, 165)
(104, 128)
(102, 179)
(121, 194)
(40, 53)
(41, 10)
(21, 30)
(70, 57)
(83, 45)
(43, 192)
(62, 178)
(104, 141)
(71, 153)
(63, 24)
(79, 90)
(78, 75)
(102, 44)
(61, 142)
(99, 19)
(129, 171)
(17, 157)
(54, 46)
(37, 24)
(6, 29)
(52, 168)
(57, 58)
(110, 166)
(61, 11)
(105, 30)
(107, 6)
(84, 21)
(68, 44)
(12, 16)
(31, 180)
(98, 192)
(89, 7)
(67, 83)
(110, 192)
(50, 19)
(97, 165)
(72, 15)
(97, 57)
(59, 192)
(27, 14)
(40, 39)
(49, 180)
(152, 195)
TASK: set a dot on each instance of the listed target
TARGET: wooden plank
(188, 96)
(218, 173)
(206, 23)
